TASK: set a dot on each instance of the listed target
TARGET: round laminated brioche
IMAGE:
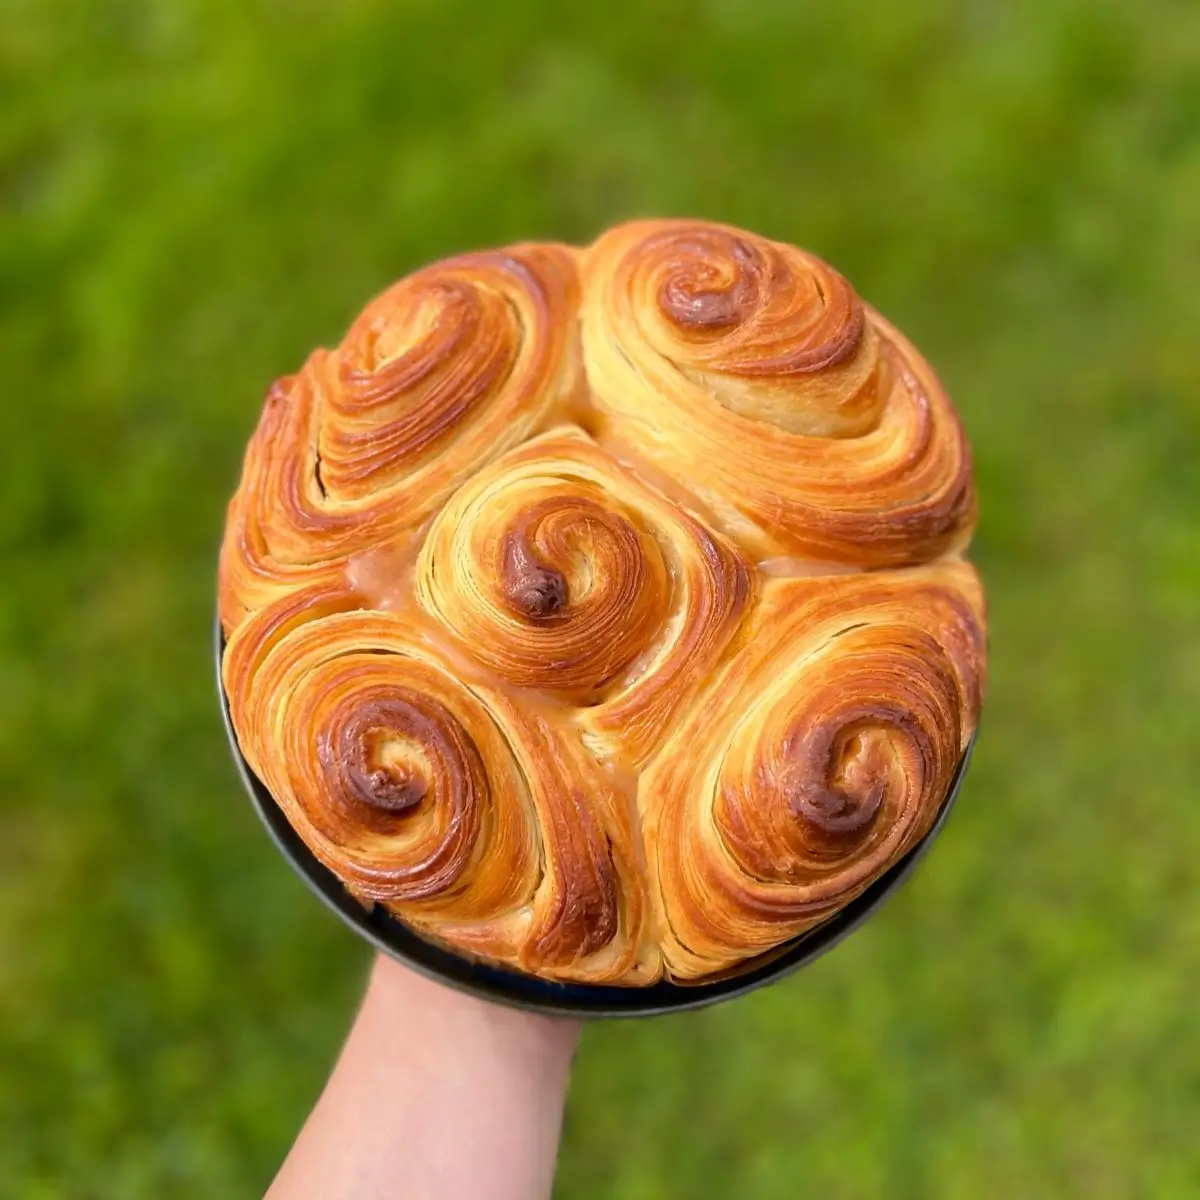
(603, 613)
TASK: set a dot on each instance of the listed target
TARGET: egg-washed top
(602, 612)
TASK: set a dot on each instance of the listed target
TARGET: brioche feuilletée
(602, 613)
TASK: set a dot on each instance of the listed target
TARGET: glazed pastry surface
(602, 612)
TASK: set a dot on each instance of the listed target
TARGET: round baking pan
(391, 936)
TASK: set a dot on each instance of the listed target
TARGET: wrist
(436, 1093)
(422, 1003)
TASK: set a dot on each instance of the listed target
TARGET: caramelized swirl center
(574, 557)
(761, 312)
(708, 293)
(835, 779)
(551, 584)
(393, 750)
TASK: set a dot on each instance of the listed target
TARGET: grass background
(193, 194)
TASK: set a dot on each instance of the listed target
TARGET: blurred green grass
(193, 194)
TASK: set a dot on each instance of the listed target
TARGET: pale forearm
(435, 1095)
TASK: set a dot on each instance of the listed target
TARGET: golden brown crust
(427, 790)
(565, 574)
(820, 755)
(559, 645)
(820, 429)
(442, 372)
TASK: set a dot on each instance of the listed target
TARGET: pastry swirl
(602, 613)
(822, 757)
(427, 791)
(822, 431)
(444, 370)
(565, 574)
